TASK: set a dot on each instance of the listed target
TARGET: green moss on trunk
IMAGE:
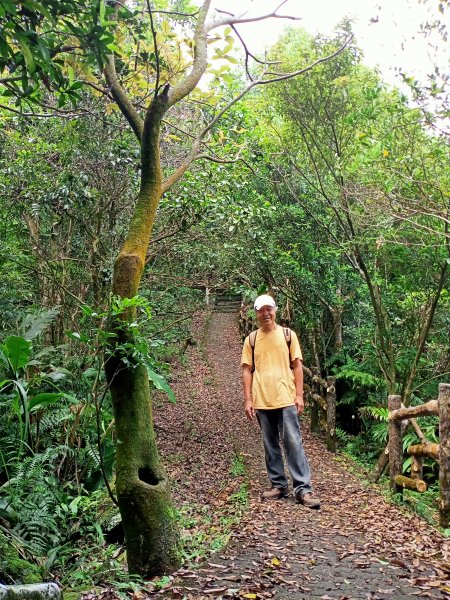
(143, 491)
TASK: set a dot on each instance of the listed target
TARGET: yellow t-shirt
(273, 383)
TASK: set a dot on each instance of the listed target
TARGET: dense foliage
(329, 190)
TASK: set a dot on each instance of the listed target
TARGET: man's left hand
(299, 404)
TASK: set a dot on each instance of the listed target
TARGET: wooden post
(395, 444)
(417, 467)
(444, 454)
(315, 390)
(331, 414)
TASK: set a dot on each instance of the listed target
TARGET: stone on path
(34, 591)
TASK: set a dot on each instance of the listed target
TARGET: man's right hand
(249, 410)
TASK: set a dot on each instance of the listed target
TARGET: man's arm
(297, 368)
(247, 378)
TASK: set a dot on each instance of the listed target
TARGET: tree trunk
(395, 444)
(331, 414)
(314, 406)
(416, 467)
(381, 465)
(142, 488)
(143, 491)
(444, 454)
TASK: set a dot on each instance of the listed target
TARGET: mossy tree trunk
(142, 487)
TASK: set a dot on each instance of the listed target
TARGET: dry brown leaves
(356, 546)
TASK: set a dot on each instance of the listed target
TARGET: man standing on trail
(272, 375)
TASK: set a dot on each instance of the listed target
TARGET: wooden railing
(399, 417)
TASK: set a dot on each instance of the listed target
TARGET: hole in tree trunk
(147, 476)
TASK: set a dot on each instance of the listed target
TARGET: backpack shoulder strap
(287, 336)
(252, 340)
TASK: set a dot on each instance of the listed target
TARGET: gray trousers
(284, 423)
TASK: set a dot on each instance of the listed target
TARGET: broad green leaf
(18, 350)
(44, 399)
(115, 48)
(4, 383)
(73, 506)
(228, 48)
(29, 60)
(160, 383)
(102, 11)
(230, 59)
(44, 50)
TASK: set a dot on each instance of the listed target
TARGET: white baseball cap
(264, 300)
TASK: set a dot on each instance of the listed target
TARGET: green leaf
(160, 383)
(73, 506)
(102, 11)
(18, 351)
(44, 51)
(230, 59)
(38, 7)
(29, 60)
(4, 383)
(115, 48)
(44, 399)
(70, 73)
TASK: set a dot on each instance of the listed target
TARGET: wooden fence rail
(399, 416)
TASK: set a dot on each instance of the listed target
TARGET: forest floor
(357, 546)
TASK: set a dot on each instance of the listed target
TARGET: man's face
(266, 315)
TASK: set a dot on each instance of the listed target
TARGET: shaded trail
(356, 547)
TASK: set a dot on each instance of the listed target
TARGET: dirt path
(356, 547)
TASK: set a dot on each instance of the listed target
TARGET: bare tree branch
(225, 161)
(122, 100)
(248, 54)
(178, 173)
(234, 19)
(155, 45)
(62, 115)
(174, 12)
(186, 85)
(9, 79)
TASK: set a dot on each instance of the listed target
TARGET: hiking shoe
(307, 499)
(275, 493)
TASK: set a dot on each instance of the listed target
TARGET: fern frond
(342, 436)
(380, 413)
(34, 325)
